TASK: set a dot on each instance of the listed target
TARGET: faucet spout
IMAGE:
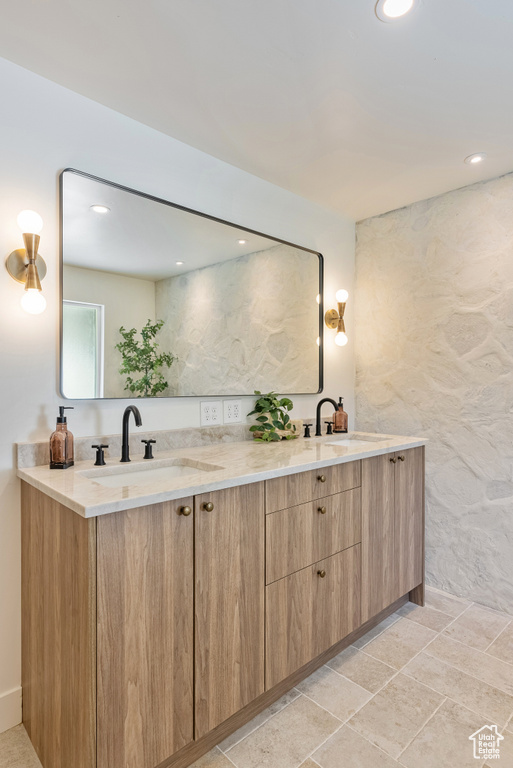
(318, 432)
(125, 451)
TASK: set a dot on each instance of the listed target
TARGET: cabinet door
(145, 634)
(310, 611)
(409, 519)
(229, 603)
(379, 579)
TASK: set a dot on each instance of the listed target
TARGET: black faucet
(125, 453)
(318, 432)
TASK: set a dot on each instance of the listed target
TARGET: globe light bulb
(33, 301)
(30, 222)
(341, 339)
(342, 296)
(395, 8)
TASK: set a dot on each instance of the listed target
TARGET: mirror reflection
(160, 301)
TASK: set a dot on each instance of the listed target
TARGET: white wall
(44, 129)
(434, 329)
(128, 302)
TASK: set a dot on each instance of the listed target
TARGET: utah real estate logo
(487, 743)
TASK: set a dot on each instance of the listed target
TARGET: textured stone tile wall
(244, 324)
(434, 344)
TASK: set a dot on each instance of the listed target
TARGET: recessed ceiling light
(389, 10)
(242, 242)
(478, 157)
(100, 208)
(179, 263)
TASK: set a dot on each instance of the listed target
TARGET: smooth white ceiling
(143, 238)
(317, 96)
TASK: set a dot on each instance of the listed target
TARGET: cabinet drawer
(302, 535)
(307, 614)
(289, 491)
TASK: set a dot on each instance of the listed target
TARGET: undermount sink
(148, 474)
(355, 441)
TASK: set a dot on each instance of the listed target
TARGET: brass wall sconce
(26, 266)
(335, 318)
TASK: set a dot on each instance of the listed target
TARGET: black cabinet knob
(100, 457)
(148, 450)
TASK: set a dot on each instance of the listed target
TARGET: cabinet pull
(208, 506)
(393, 460)
(322, 574)
(401, 458)
(322, 510)
(321, 478)
(185, 511)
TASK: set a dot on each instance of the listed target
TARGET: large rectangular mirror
(162, 301)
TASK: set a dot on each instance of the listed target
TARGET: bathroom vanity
(162, 612)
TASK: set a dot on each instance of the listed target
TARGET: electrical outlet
(232, 411)
(210, 413)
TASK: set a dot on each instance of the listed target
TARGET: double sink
(160, 470)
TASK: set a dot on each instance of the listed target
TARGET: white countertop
(235, 464)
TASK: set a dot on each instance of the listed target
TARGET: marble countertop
(223, 465)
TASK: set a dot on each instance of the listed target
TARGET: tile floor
(408, 694)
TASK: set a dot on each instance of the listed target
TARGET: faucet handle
(100, 458)
(148, 451)
(307, 430)
(329, 430)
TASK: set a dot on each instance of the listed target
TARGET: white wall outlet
(211, 413)
(232, 411)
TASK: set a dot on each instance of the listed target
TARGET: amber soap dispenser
(61, 442)
(340, 418)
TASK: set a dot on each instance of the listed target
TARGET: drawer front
(289, 491)
(302, 535)
(307, 614)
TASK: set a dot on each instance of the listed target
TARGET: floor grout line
(510, 623)
(256, 728)
(477, 650)
(379, 633)
(376, 746)
(423, 726)
(309, 756)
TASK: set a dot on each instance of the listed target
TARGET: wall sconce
(26, 266)
(335, 318)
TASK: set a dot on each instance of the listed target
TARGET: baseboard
(10, 709)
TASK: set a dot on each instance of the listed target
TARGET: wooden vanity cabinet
(144, 634)
(392, 529)
(229, 603)
(149, 635)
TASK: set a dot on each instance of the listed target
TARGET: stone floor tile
(258, 720)
(396, 714)
(466, 690)
(487, 668)
(400, 643)
(445, 603)
(362, 669)
(349, 748)
(309, 764)
(444, 741)
(502, 648)
(287, 738)
(428, 617)
(16, 751)
(213, 759)
(477, 627)
(335, 693)
(377, 630)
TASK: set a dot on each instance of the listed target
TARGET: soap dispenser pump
(61, 442)
(340, 418)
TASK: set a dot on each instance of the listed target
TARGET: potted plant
(273, 420)
(143, 357)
